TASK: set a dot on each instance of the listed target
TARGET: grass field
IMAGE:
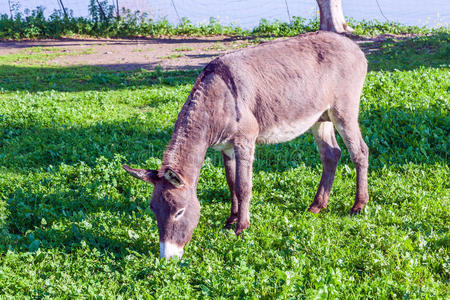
(74, 224)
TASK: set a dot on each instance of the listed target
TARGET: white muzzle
(169, 250)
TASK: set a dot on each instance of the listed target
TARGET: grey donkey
(270, 93)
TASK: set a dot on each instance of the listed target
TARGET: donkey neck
(189, 142)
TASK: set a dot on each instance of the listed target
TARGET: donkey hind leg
(329, 155)
(230, 172)
(359, 153)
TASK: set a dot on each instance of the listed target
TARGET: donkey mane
(186, 128)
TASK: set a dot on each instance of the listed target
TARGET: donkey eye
(179, 213)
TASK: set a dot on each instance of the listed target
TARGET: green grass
(218, 46)
(183, 49)
(73, 224)
(41, 55)
(172, 56)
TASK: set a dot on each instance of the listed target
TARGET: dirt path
(180, 53)
(129, 54)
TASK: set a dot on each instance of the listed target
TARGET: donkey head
(175, 206)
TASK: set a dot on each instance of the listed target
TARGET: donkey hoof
(357, 208)
(355, 211)
(230, 221)
(241, 226)
(314, 209)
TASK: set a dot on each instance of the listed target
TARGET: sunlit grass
(73, 224)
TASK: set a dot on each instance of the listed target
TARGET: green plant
(216, 47)
(183, 49)
(171, 56)
(102, 22)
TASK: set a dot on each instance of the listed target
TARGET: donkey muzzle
(169, 250)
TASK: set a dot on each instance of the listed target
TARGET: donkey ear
(143, 174)
(173, 178)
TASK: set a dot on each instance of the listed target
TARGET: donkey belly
(284, 131)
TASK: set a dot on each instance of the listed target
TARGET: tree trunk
(117, 9)
(332, 16)
(10, 10)
(105, 19)
(63, 8)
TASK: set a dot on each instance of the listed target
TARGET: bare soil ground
(130, 54)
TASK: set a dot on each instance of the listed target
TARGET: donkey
(270, 93)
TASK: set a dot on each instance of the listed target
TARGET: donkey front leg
(244, 150)
(230, 171)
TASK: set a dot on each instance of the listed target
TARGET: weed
(171, 56)
(183, 49)
(218, 46)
